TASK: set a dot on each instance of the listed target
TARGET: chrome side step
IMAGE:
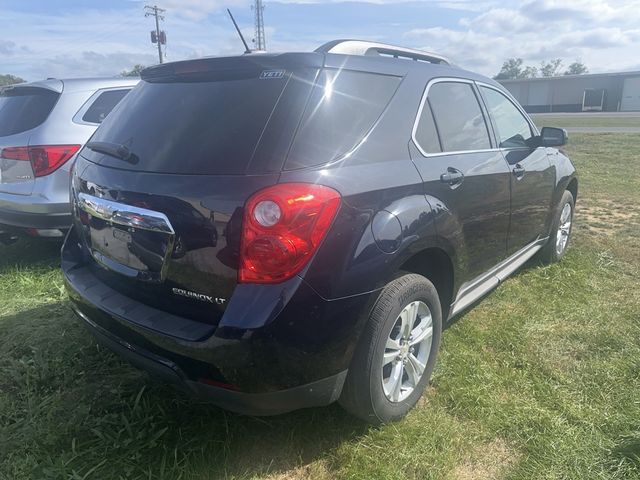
(479, 287)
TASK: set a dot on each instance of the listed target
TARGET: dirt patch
(488, 462)
(316, 471)
(606, 217)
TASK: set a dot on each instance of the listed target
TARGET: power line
(158, 37)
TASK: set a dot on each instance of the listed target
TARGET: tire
(554, 249)
(364, 394)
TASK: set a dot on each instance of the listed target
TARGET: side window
(458, 117)
(513, 129)
(103, 104)
(426, 133)
(342, 108)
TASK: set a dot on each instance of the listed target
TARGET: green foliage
(9, 79)
(515, 68)
(601, 120)
(511, 68)
(577, 68)
(550, 68)
(134, 72)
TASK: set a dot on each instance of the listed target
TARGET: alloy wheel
(564, 229)
(407, 351)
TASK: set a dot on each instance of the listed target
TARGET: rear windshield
(233, 125)
(205, 127)
(24, 108)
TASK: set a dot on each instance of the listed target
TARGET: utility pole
(157, 36)
(260, 39)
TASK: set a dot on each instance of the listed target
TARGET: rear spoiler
(231, 67)
(51, 84)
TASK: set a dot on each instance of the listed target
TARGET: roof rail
(362, 47)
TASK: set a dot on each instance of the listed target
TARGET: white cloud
(200, 9)
(476, 35)
(90, 42)
(605, 35)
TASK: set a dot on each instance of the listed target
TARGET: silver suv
(42, 126)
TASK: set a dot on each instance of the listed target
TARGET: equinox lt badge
(199, 296)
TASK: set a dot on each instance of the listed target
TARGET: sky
(80, 38)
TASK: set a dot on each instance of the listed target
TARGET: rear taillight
(45, 159)
(282, 228)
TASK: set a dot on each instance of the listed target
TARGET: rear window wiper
(115, 150)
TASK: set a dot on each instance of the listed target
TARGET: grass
(586, 120)
(540, 380)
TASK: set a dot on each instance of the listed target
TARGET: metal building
(608, 92)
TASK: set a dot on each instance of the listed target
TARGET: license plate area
(132, 241)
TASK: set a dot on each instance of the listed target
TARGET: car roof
(349, 54)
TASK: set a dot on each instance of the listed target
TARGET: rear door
(22, 109)
(465, 177)
(532, 175)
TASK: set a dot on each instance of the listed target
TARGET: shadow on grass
(69, 404)
(30, 252)
(628, 449)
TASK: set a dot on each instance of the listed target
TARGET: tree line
(515, 68)
(9, 79)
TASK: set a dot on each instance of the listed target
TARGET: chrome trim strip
(126, 215)
(423, 100)
(477, 288)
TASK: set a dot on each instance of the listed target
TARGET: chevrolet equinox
(275, 232)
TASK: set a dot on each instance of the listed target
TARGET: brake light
(282, 228)
(45, 159)
(15, 153)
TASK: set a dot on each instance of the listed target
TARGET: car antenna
(246, 47)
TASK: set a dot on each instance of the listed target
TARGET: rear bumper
(295, 358)
(46, 207)
(33, 211)
(22, 220)
(321, 392)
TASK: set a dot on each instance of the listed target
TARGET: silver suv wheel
(564, 229)
(407, 351)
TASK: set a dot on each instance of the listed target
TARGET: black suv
(283, 231)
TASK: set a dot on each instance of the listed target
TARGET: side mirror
(553, 137)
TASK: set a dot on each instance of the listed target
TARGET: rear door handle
(518, 171)
(452, 177)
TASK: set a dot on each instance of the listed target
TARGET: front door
(532, 175)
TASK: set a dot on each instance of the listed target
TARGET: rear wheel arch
(436, 265)
(572, 186)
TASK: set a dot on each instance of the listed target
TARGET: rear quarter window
(458, 117)
(103, 104)
(343, 106)
(24, 108)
